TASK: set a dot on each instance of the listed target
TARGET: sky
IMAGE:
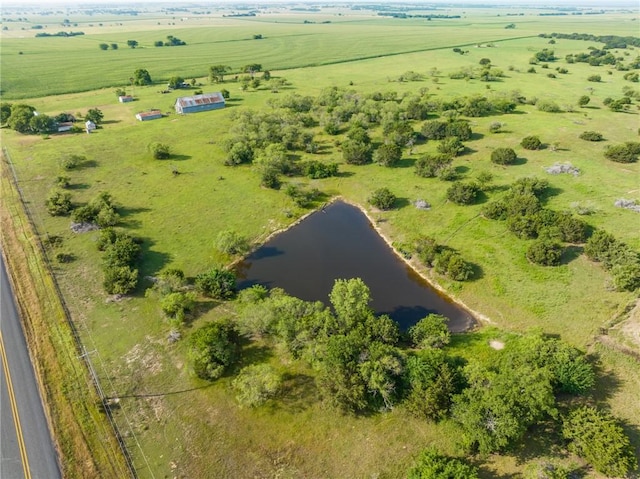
(556, 3)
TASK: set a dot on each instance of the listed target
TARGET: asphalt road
(26, 448)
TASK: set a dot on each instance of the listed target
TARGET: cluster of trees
(24, 119)
(58, 34)
(610, 41)
(106, 46)
(545, 55)
(121, 254)
(170, 42)
(618, 258)
(443, 259)
(141, 77)
(361, 368)
(522, 210)
(100, 211)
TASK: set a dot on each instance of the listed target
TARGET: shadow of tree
(298, 392)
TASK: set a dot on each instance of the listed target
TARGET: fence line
(80, 350)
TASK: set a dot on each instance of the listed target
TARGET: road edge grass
(87, 444)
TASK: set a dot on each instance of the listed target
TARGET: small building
(89, 126)
(125, 98)
(196, 103)
(65, 126)
(149, 115)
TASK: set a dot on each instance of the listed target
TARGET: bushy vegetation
(530, 143)
(433, 465)
(383, 199)
(100, 210)
(591, 136)
(256, 384)
(463, 193)
(444, 260)
(625, 153)
(622, 262)
(596, 436)
(213, 348)
(59, 203)
(217, 283)
(503, 156)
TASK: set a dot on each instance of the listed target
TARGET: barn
(196, 103)
(149, 115)
(125, 98)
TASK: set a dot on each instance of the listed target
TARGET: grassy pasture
(179, 426)
(53, 65)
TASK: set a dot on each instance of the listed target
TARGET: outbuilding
(149, 115)
(125, 98)
(196, 103)
(89, 126)
(65, 126)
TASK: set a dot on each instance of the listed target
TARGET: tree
(433, 465)
(531, 143)
(141, 77)
(583, 101)
(499, 405)
(132, 43)
(241, 152)
(350, 300)
(485, 61)
(160, 151)
(596, 436)
(217, 72)
(217, 283)
(429, 166)
(252, 68)
(462, 193)
(356, 152)
(594, 78)
(59, 203)
(95, 115)
(451, 146)
(212, 349)
(114, 46)
(20, 119)
(382, 198)
(256, 384)
(503, 156)
(5, 112)
(430, 332)
(388, 154)
(42, 124)
(103, 46)
(175, 82)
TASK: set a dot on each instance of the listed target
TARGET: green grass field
(176, 425)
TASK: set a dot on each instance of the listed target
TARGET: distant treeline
(610, 41)
(572, 13)
(408, 15)
(59, 34)
(250, 14)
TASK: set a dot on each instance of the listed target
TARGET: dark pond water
(340, 242)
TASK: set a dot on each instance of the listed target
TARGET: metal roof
(196, 100)
(144, 114)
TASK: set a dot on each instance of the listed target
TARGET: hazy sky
(590, 3)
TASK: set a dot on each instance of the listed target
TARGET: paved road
(26, 449)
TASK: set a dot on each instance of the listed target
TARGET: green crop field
(177, 426)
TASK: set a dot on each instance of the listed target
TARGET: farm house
(196, 103)
(149, 115)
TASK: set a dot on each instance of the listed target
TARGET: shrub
(124, 251)
(63, 181)
(217, 283)
(548, 106)
(387, 154)
(462, 193)
(591, 136)
(503, 156)
(382, 199)
(621, 154)
(175, 305)
(59, 203)
(429, 166)
(545, 252)
(531, 143)
(430, 332)
(433, 465)
(73, 161)
(495, 210)
(356, 152)
(239, 153)
(119, 279)
(450, 263)
(427, 249)
(256, 384)
(212, 349)
(160, 151)
(315, 169)
(230, 242)
(596, 436)
(594, 78)
(450, 146)
(495, 127)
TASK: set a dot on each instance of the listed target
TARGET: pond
(339, 242)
